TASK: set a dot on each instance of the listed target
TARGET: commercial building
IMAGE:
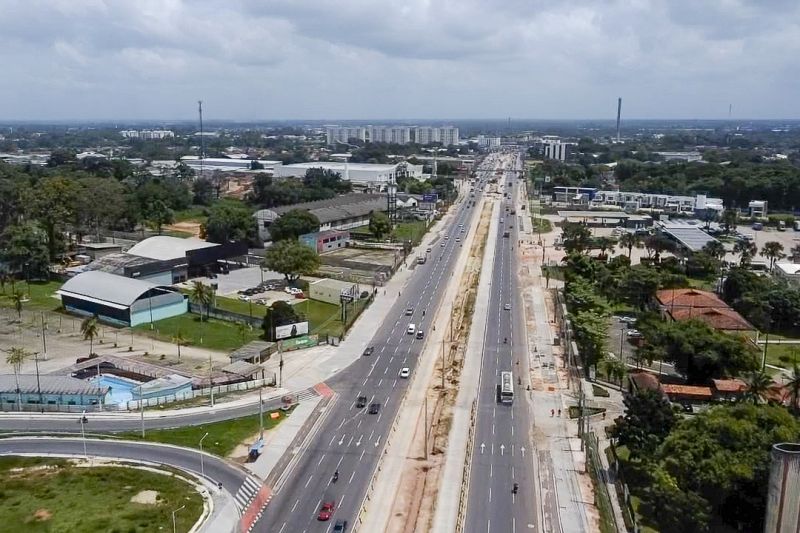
(608, 219)
(340, 213)
(362, 175)
(47, 389)
(119, 300)
(788, 271)
(581, 196)
(488, 142)
(757, 208)
(689, 236)
(147, 135)
(224, 164)
(559, 150)
(345, 135)
(332, 291)
(669, 203)
(325, 241)
(166, 260)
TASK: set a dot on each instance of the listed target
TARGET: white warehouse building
(361, 175)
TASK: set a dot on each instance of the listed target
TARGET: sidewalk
(458, 444)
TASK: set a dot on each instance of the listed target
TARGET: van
(411, 329)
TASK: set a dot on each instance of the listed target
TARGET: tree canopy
(291, 259)
(292, 224)
(230, 222)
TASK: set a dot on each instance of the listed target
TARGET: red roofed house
(687, 304)
(682, 393)
(728, 389)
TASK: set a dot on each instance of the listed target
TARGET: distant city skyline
(354, 59)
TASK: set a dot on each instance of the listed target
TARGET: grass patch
(600, 391)
(410, 231)
(326, 319)
(212, 334)
(196, 213)
(782, 355)
(553, 272)
(223, 437)
(40, 294)
(703, 284)
(587, 411)
(541, 225)
(64, 497)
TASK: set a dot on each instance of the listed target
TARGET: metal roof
(165, 248)
(333, 209)
(49, 384)
(690, 236)
(105, 288)
(242, 368)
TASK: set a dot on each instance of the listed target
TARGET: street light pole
(174, 524)
(260, 414)
(38, 383)
(202, 465)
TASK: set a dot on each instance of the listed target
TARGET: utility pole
(280, 367)
(202, 137)
(211, 379)
(426, 426)
(38, 384)
(44, 338)
(260, 414)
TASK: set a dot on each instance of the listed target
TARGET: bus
(506, 388)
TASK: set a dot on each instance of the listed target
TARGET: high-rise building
(390, 134)
(344, 135)
(147, 135)
(488, 142)
(558, 149)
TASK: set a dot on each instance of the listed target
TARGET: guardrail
(464, 491)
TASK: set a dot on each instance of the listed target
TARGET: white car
(244, 297)
(411, 329)
(507, 307)
(405, 372)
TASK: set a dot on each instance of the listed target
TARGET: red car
(326, 512)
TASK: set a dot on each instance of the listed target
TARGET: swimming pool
(119, 388)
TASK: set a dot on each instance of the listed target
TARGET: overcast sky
(362, 59)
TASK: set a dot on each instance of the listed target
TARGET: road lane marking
(309, 480)
(352, 475)
(295, 505)
(321, 459)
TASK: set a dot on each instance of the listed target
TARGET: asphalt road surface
(502, 452)
(350, 439)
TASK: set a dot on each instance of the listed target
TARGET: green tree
(15, 357)
(292, 224)
(773, 251)
(671, 509)
(729, 219)
(723, 456)
(615, 370)
(793, 389)
(648, 420)
(90, 329)
(576, 237)
(630, 241)
(758, 384)
(603, 244)
(715, 249)
(279, 314)
(746, 250)
(52, 203)
(379, 224)
(229, 222)
(203, 296)
(158, 214)
(638, 285)
(202, 191)
(18, 298)
(24, 248)
(590, 335)
(291, 259)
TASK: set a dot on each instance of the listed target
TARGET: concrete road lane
(349, 439)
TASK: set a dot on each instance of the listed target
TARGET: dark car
(374, 408)
(361, 401)
(340, 527)
(369, 350)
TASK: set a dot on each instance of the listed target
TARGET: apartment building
(670, 203)
(344, 135)
(147, 135)
(389, 134)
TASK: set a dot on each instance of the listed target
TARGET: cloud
(250, 59)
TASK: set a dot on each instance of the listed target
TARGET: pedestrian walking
(559, 412)
(552, 413)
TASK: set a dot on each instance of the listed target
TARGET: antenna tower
(619, 113)
(202, 137)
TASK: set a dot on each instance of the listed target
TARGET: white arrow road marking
(377, 441)
(342, 439)
(358, 443)
(482, 447)
(502, 448)
(523, 451)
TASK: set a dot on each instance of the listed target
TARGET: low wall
(228, 316)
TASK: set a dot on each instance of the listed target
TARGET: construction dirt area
(415, 503)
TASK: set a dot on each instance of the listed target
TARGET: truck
(781, 225)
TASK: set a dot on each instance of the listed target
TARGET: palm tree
(773, 251)
(243, 329)
(758, 383)
(603, 244)
(18, 298)
(90, 330)
(180, 340)
(729, 219)
(746, 250)
(615, 370)
(16, 356)
(202, 296)
(629, 241)
(715, 249)
(793, 386)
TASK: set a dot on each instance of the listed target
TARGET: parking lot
(621, 335)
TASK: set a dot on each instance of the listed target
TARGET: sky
(408, 59)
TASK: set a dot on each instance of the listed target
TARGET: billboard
(291, 330)
(430, 198)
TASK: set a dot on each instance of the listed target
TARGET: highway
(502, 453)
(235, 480)
(350, 439)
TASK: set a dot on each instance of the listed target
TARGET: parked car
(634, 333)
(244, 297)
(369, 350)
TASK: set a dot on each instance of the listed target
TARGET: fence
(135, 405)
(222, 314)
(623, 493)
(598, 474)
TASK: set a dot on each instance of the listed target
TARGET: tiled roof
(687, 391)
(672, 298)
(729, 385)
(720, 318)
(644, 380)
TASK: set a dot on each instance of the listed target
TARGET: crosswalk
(247, 492)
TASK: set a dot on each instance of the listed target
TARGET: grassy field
(410, 230)
(325, 318)
(41, 295)
(51, 495)
(223, 437)
(541, 225)
(196, 213)
(782, 355)
(212, 334)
